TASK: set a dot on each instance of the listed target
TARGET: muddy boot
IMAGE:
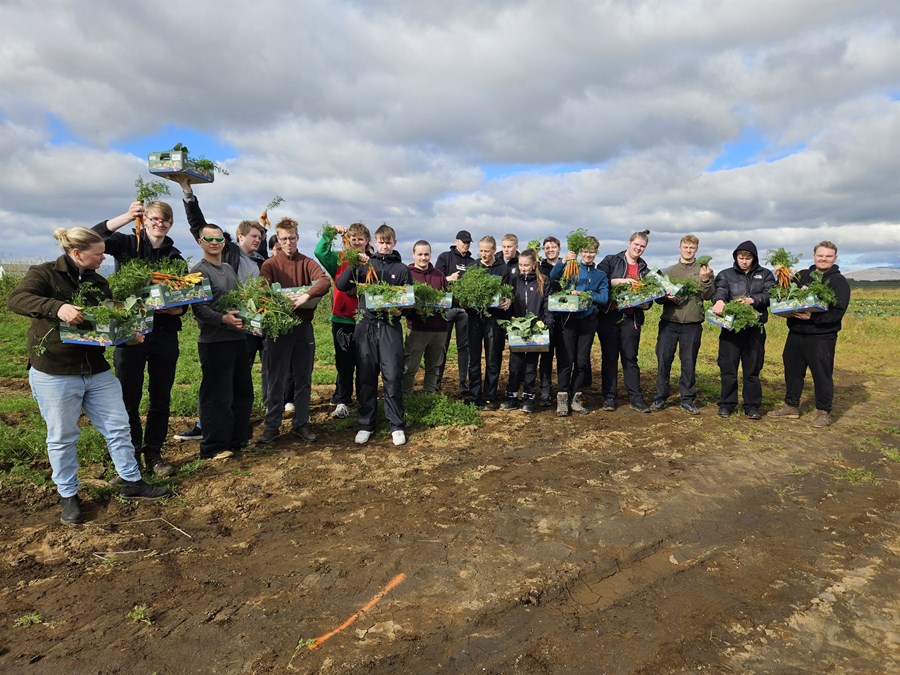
(577, 405)
(154, 462)
(562, 404)
(791, 412)
(71, 511)
(823, 419)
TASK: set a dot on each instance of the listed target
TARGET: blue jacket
(590, 278)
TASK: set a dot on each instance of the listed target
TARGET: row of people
(373, 344)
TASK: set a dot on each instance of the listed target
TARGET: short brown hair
(243, 229)
(359, 230)
(643, 234)
(287, 224)
(385, 232)
(690, 239)
(825, 244)
(553, 239)
(163, 208)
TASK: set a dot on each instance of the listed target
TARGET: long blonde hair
(530, 253)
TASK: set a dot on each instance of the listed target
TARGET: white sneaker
(363, 436)
(399, 437)
(341, 411)
(289, 407)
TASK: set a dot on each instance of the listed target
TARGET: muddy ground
(613, 542)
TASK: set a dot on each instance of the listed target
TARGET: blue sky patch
(198, 144)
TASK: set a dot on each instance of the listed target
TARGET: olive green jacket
(690, 310)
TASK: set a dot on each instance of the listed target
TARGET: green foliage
(744, 315)
(779, 256)
(704, 259)
(535, 245)
(627, 295)
(28, 620)
(254, 296)
(427, 299)
(437, 410)
(798, 294)
(208, 166)
(689, 288)
(477, 289)
(351, 256)
(859, 475)
(523, 327)
(148, 192)
(131, 278)
(329, 232)
(141, 614)
(818, 287)
(577, 241)
(275, 203)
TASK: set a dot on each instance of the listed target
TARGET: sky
(771, 120)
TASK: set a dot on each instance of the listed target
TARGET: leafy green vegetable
(275, 203)
(577, 241)
(254, 296)
(689, 288)
(780, 256)
(477, 289)
(329, 232)
(208, 166)
(523, 327)
(628, 295)
(535, 245)
(744, 315)
(427, 299)
(131, 278)
(148, 192)
(704, 259)
(818, 287)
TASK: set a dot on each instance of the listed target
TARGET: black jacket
(512, 265)
(734, 283)
(546, 267)
(388, 267)
(124, 247)
(615, 266)
(452, 261)
(828, 322)
(498, 268)
(528, 298)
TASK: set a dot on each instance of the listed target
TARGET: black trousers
(484, 333)
(574, 353)
(379, 349)
(619, 340)
(158, 353)
(458, 317)
(685, 337)
(345, 362)
(746, 348)
(815, 352)
(290, 358)
(522, 368)
(545, 362)
(226, 396)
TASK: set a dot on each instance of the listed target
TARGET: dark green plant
(148, 192)
(689, 288)
(275, 203)
(254, 296)
(704, 259)
(744, 315)
(427, 299)
(523, 327)
(780, 256)
(478, 288)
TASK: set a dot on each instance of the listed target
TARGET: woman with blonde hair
(68, 378)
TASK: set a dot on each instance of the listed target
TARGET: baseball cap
(464, 236)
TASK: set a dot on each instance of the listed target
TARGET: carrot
(371, 275)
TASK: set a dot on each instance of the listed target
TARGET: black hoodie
(452, 261)
(388, 267)
(734, 283)
(824, 323)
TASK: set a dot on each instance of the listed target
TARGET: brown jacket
(297, 271)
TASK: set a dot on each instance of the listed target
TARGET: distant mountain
(875, 274)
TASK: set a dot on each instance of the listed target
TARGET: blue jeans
(61, 399)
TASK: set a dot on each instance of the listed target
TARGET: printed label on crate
(252, 323)
(725, 321)
(294, 292)
(809, 304)
(403, 297)
(160, 296)
(635, 300)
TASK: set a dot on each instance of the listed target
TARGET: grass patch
(858, 475)
(26, 620)
(437, 410)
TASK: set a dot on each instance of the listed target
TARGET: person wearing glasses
(292, 355)
(226, 387)
(158, 353)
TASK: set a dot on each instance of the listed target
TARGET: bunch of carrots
(174, 282)
(577, 242)
(782, 261)
(147, 192)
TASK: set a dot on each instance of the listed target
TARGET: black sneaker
(486, 405)
(193, 434)
(71, 511)
(546, 400)
(154, 462)
(689, 407)
(753, 414)
(639, 406)
(267, 436)
(724, 411)
(509, 403)
(657, 405)
(304, 433)
(609, 403)
(138, 489)
(528, 405)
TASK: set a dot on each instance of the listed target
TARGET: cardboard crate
(635, 300)
(569, 302)
(175, 165)
(787, 307)
(377, 301)
(539, 342)
(669, 286)
(104, 335)
(252, 323)
(446, 302)
(725, 321)
(160, 296)
(295, 292)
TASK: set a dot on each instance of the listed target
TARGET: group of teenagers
(368, 343)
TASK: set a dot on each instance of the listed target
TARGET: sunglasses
(209, 240)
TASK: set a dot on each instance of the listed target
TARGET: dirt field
(613, 542)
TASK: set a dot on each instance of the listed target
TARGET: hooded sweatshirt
(452, 261)
(828, 322)
(436, 323)
(388, 267)
(734, 283)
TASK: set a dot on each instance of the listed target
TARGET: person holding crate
(453, 264)
(530, 291)
(68, 378)
(578, 329)
(379, 338)
(551, 247)
(681, 327)
(293, 354)
(620, 330)
(748, 282)
(343, 316)
(811, 341)
(158, 353)
(425, 336)
(485, 333)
